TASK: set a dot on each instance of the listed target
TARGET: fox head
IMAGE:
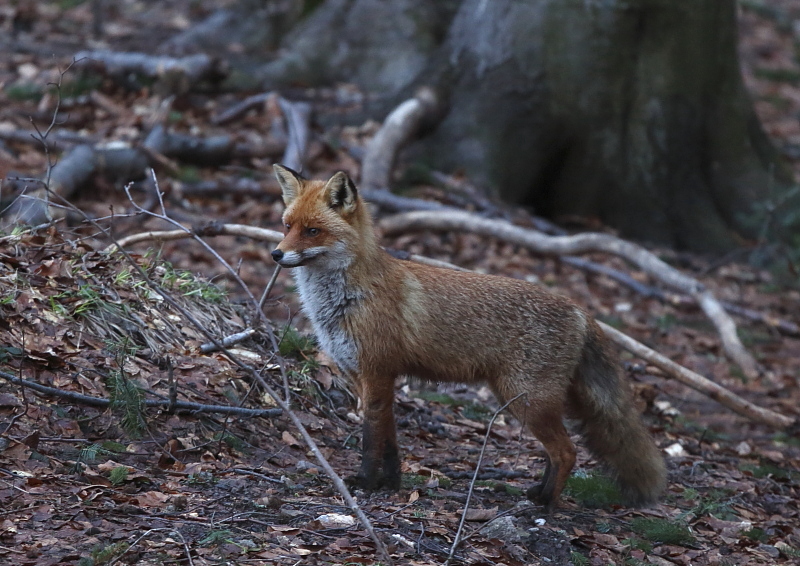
(325, 222)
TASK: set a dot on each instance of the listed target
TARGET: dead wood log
(785, 327)
(298, 122)
(70, 173)
(694, 380)
(241, 108)
(582, 243)
(400, 126)
(161, 403)
(698, 382)
(59, 137)
(212, 150)
(179, 74)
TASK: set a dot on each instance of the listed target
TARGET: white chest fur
(326, 301)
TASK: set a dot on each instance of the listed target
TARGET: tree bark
(630, 111)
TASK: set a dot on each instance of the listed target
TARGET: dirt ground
(82, 483)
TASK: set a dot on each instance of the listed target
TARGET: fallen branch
(192, 68)
(241, 108)
(582, 243)
(698, 382)
(160, 403)
(62, 137)
(400, 126)
(228, 341)
(785, 327)
(74, 170)
(716, 392)
(298, 122)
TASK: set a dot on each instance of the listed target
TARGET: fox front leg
(380, 458)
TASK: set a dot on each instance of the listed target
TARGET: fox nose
(277, 255)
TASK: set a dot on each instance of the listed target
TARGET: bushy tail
(611, 425)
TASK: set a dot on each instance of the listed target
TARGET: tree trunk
(630, 111)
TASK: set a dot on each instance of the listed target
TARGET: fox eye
(312, 231)
(287, 226)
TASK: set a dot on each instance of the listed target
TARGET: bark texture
(630, 111)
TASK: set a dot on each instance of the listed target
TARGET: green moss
(22, 92)
(594, 490)
(664, 531)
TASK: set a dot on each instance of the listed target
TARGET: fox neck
(331, 291)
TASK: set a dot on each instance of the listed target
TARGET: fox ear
(290, 182)
(341, 192)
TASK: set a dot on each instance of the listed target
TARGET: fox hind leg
(544, 418)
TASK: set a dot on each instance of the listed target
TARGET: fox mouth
(297, 259)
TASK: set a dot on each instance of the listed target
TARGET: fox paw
(536, 493)
(373, 482)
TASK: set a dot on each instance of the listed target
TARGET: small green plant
(111, 446)
(189, 174)
(91, 452)
(790, 551)
(764, 470)
(22, 92)
(122, 349)
(105, 554)
(638, 544)
(604, 527)
(716, 502)
(593, 490)
(436, 397)
(233, 441)
(7, 352)
(79, 85)
(662, 531)
(296, 345)
(412, 481)
(118, 475)
(578, 559)
(127, 399)
(217, 537)
(756, 534)
(476, 412)
(790, 76)
(88, 300)
(499, 486)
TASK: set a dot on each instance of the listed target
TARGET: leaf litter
(78, 485)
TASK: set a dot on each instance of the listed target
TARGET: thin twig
(475, 478)
(228, 341)
(164, 403)
(269, 286)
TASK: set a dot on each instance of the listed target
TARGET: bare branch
(397, 130)
(240, 108)
(298, 119)
(163, 403)
(698, 382)
(457, 538)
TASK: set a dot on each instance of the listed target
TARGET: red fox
(379, 318)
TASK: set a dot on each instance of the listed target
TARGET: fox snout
(277, 255)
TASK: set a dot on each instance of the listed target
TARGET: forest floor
(87, 484)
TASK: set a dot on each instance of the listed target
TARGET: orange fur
(379, 318)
